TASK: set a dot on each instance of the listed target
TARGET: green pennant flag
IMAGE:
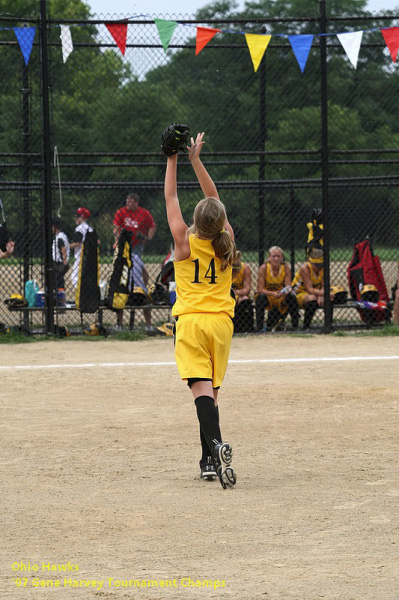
(165, 30)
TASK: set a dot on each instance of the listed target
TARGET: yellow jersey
(201, 285)
(316, 279)
(238, 278)
(274, 283)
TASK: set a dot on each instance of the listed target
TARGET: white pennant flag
(351, 44)
(66, 41)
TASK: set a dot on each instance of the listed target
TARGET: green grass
(129, 336)
(384, 331)
(387, 330)
(20, 338)
(17, 338)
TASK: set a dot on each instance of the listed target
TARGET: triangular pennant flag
(25, 37)
(119, 33)
(301, 46)
(204, 35)
(165, 30)
(351, 44)
(66, 42)
(391, 37)
(257, 45)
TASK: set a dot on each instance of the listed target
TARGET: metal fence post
(261, 172)
(26, 175)
(324, 166)
(293, 217)
(46, 164)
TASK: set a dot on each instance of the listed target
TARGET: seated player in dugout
(241, 284)
(308, 285)
(274, 293)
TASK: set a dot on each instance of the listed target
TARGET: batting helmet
(369, 293)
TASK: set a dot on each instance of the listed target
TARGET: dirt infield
(100, 466)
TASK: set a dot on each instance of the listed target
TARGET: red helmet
(83, 212)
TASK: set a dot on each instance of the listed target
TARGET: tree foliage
(99, 104)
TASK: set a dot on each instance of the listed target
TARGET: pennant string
(257, 43)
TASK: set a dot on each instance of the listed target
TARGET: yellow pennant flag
(257, 45)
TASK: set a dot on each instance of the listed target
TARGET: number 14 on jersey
(210, 273)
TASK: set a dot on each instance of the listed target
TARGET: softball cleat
(222, 457)
(208, 471)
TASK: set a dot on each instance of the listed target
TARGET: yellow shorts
(202, 347)
(301, 297)
(276, 303)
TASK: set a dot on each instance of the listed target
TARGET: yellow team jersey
(238, 278)
(201, 285)
(274, 283)
(316, 279)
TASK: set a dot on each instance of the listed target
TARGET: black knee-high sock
(205, 449)
(293, 309)
(208, 417)
(260, 307)
(310, 310)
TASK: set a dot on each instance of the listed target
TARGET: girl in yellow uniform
(241, 284)
(274, 292)
(241, 279)
(308, 285)
(204, 307)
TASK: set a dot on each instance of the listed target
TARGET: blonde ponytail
(225, 249)
(209, 224)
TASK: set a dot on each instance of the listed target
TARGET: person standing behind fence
(204, 307)
(137, 220)
(81, 229)
(275, 293)
(60, 253)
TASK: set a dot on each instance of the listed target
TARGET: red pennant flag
(204, 35)
(391, 37)
(119, 33)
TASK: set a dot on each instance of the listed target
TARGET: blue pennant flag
(25, 37)
(301, 46)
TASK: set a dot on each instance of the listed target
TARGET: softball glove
(174, 139)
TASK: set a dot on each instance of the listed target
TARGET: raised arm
(204, 179)
(177, 226)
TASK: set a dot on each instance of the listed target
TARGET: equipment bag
(365, 269)
(87, 298)
(158, 292)
(119, 284)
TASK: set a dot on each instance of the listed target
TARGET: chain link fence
(264, 147)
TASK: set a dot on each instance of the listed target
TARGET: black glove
(174, 139)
